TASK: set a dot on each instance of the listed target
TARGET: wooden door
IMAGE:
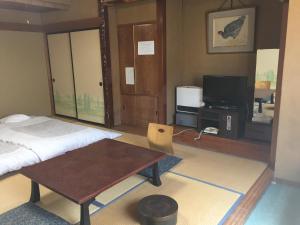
(87, 65)
(139, 100)
(139, 110)
(146, 66)
(146, 110)
(126, 56)
(62, 74)
(128, 113)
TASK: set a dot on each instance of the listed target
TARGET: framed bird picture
(231, 31)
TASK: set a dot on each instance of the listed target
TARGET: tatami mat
(210, 202)
(63, 207)
(199, 203)
(231, 172)
(116, 191)
(225, 170)
(206, 185)
(15, 191)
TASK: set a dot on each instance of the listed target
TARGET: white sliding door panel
(62, 74)
(87, 66)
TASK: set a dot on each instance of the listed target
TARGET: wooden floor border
(240, 215)
(249, 149)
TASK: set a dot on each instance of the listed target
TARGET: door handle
(53, 80)
(100, 84)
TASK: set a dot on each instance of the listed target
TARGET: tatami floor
(208, 186)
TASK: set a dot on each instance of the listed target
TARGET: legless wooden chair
(160, 138)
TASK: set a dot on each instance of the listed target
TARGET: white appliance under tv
(189, 99)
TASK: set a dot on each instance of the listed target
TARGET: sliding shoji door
(87, 66)
(62, 74)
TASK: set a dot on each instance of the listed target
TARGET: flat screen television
(225, 90)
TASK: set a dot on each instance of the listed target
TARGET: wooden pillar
(279, 84)
(106, 65)
(161, 26)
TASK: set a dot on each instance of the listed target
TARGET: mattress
(41, 138)
(14, 157)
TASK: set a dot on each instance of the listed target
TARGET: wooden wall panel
(139, 110)
(128, 110)
(140, 102)
(146, 110)
(126, 56)
(147, 66)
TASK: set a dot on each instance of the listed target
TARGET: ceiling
(35, 5)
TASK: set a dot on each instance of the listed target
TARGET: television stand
(223, 107)
(230, 121)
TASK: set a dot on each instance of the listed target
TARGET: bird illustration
(233, 29)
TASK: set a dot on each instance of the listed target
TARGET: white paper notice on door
(129, 75)
(146, 48)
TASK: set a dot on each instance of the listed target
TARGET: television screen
(225, 90)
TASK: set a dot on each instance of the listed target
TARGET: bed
(14, 157)
(37, 139)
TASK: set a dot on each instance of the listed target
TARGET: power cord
(182, 132)
(195, 139)
(199, 136)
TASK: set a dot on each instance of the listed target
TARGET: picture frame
(231, 31)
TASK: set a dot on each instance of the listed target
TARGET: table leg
(156, 178)
(35, 192)
(85, 213)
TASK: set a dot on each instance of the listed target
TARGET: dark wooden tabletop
(82, 174)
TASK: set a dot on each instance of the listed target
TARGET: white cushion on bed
(16, 118)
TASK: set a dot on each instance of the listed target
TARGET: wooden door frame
(106, 59)
(161, 10)
(279, 84)
(106, 65)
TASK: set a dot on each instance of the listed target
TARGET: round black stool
(158, 210)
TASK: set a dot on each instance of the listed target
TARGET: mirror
(265, 85)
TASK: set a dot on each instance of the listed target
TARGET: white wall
(79, 9)
(23, 74)
(288, 140)
(174, 34)
(14, 16)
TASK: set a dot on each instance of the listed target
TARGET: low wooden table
(82, 174)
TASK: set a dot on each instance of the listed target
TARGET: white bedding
(48, 137)
(13, 157)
